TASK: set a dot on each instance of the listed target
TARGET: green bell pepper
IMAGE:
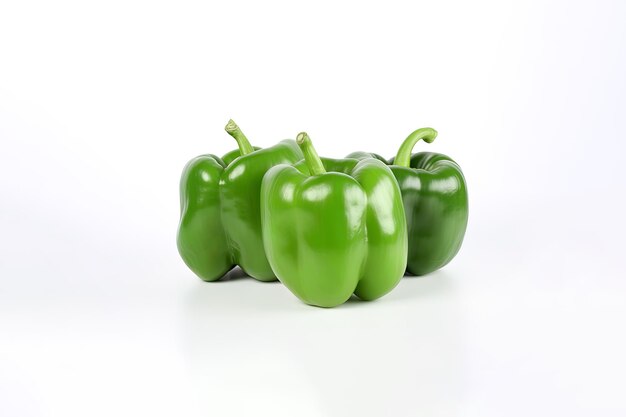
(220, 222)
(330, 234)
(434, 193)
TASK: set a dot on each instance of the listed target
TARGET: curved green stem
(403, 158)
(311, 157)
(244, 145)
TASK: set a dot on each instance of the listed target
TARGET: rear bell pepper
(434, 193)
(220, 223)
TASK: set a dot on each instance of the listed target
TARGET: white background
(102, 104)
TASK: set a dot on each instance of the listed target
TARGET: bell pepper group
(326, 228)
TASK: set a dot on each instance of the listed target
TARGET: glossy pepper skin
(331, 234)
(435, 199)
(220, 222)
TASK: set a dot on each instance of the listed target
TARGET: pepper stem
(312, 159)
(403, 158)
(244, 145)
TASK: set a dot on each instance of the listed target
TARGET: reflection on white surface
(364, 357)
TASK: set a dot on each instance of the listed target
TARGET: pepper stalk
(403, 157)
(311, 158)
(242, 141)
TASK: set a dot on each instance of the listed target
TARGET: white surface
(102, 105)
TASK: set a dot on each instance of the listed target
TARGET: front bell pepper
(434, 193)
(220, 222)
(329, 235)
